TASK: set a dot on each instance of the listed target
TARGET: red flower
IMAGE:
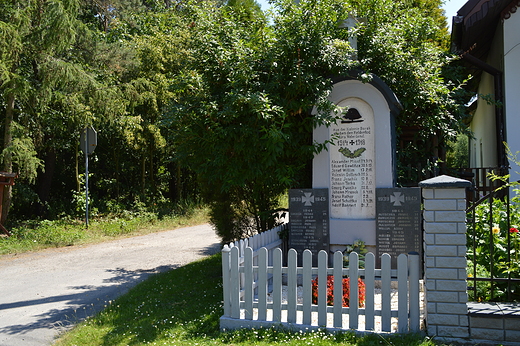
(513, 230)
(346, 291)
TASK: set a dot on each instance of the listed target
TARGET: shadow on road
(211, 250)
(77, 306)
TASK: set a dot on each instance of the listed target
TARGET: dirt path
(43, 293)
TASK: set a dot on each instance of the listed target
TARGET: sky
(450, 7)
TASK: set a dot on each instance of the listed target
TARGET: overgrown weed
(31, 235)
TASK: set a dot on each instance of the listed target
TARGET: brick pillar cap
(444, 181)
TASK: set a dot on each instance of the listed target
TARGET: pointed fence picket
(248, 273)
(269, 240)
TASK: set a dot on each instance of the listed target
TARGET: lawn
(183, 307)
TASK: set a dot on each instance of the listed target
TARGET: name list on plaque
(352, 164)
(309, 220)
(398, 222)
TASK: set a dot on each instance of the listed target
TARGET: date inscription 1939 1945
(309, 220)
(398, 221)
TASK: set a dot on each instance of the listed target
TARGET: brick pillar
(446, 295)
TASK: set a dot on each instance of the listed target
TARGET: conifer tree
(46, 82)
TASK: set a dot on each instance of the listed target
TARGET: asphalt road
(44, 293)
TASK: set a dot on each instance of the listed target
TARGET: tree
(66, 64)
(55, 81)
(158, 41)
(404, 44)
(247, 10)
(36, 36)
(242, 113)
(107, 12)
(205, 90)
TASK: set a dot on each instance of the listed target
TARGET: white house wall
(483, 148)
(512, 85)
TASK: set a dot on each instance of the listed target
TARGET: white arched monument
(361, 158)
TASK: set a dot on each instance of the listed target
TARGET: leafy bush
(31, 235)
(346, 291)
(360, 248)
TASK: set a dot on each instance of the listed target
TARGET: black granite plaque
(309, 221)
(398, 222)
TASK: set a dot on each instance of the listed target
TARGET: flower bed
(346, 291)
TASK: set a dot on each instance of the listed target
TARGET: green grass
(183, 307)
(180, 307)
(35, 235)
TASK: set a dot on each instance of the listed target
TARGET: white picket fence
(269, 239)
(249, 303)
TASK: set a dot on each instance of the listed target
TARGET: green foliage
(49, 233)
(458, 152)
(242, 117)
(22, 153)
(127, 224)
(202, 98)
(494, 240)
(402, 43)
(358, 247)
(118, 81)
(31, 235)
(242, 113)
(494, 246)
(57, 85)
(247, 10)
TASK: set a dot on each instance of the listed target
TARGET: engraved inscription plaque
(309, 220)
(398, 222)
(352, 162)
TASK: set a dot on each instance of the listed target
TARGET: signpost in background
(88, 142)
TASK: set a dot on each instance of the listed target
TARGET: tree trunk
(78, 182)
(143, 175)
(151, 172)
(173, 182)
(179, 182)
(115, 153)
(8, 162)
(45, 181)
